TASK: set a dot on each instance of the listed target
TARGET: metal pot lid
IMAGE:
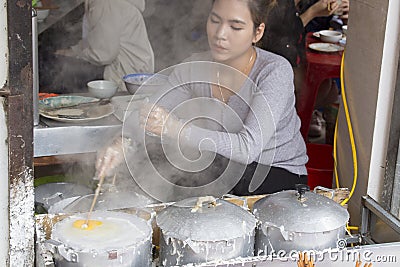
(309, 214)
(212, 220)
(51, 193)
(117, 231)
(108, 201)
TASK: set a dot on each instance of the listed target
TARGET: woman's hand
(156, 120)
(324, 8)
(109, 158)
(345, 7)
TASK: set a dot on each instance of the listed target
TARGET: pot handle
(199, 204)
(51, 245)
(195, 247)
(67, 253)
(287, 235)
(301, 190)
(325, 190)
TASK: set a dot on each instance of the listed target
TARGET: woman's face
(230, 30)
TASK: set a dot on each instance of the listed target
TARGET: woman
(233, 27)
(114, 38)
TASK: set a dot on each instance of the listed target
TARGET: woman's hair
(259, 10)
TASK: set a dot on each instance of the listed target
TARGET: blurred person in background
(114, 43)
(285, 32)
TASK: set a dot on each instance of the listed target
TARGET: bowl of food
(330, 36)
(102, 88)
(148, 81)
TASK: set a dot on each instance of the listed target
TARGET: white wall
(363, 67)
(4, 226)
(3, 43)
(383, 116)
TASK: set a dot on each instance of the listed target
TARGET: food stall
(373, 207)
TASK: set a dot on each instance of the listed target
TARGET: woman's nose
(221, 32)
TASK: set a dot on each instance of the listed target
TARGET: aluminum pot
(298, 220)
(121, 240)
(197, 230)
(47, 195)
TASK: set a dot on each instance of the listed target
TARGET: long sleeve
(267, 108)
(102, 43)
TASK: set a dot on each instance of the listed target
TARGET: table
(319, 67)
(53, 138)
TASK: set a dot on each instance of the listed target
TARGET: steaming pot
(197, 230)
(121, 240)
(50, 194)
(298, 220)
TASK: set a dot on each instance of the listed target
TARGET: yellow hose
(351, 137)
(352, 227)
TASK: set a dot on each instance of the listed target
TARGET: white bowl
(42, 14)
(102, 88)
(149, 81)
(330, 36)
(344, 29)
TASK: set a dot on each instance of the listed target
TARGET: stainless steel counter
(52, 138)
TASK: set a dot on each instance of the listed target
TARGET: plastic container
(320, 165)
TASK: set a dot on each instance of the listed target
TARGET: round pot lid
(309, 213)
(205, 219)
(51, 193)
(116, 230)
(108, 201)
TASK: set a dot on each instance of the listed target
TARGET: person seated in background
(286, 28)
(114, 43)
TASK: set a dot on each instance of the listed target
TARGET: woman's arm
(102, 44)
(273, 101)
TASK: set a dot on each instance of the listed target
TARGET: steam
(176, 30)
(170, 169)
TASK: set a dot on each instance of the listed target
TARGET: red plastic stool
(320, 165)
(320, 66)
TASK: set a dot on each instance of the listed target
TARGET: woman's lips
(219, 48)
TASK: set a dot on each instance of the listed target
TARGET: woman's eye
(236, 28)
(213, 20)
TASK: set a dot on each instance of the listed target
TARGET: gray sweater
(259, 123)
